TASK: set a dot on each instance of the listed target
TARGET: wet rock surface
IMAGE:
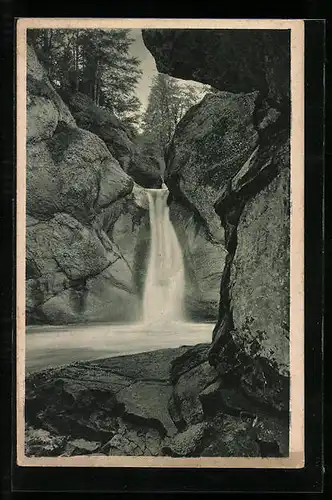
(149, 404)
(204, 260)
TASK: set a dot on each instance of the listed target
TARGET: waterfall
(164, 285)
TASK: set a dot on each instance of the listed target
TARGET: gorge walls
(228, 171)
(228, 167)
(88, 231)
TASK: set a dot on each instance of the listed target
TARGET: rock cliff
(229, 165)
(75, 272)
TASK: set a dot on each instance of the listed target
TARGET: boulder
(76, 274)
(210, 145)
(73, 172)
(145, 170)
(188, 389)
(188, 442)
(146, 365)
(235, 436)
(111, 295)
(133, 440)
(231, 438)
(39, 442)
(78, 447)
(190, 373)
(147, 401)
(74, 402)
(64, 244)
(98, 400)
(189, 359)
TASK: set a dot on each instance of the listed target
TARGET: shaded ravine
(213, 401)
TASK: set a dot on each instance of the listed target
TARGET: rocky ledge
(169, 402)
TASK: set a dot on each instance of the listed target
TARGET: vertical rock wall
(229, 164)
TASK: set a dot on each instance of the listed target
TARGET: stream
(50, 346)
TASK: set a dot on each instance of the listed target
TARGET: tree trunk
(98, 93)
(76, 62)
(95, 84)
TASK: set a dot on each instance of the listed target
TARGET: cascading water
(164, 285)
(163, 326)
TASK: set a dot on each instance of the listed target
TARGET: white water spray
(164, 285)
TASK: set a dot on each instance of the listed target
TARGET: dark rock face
(74, 270)
(166, 402)
(254, 313)
(238, 60)
(143, 169)
(229, 165)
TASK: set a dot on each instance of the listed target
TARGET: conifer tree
(168, 102)
(93, 61)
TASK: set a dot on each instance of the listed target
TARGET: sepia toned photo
(160, 243)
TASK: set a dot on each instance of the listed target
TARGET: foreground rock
(156, 403)
(66, 264)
